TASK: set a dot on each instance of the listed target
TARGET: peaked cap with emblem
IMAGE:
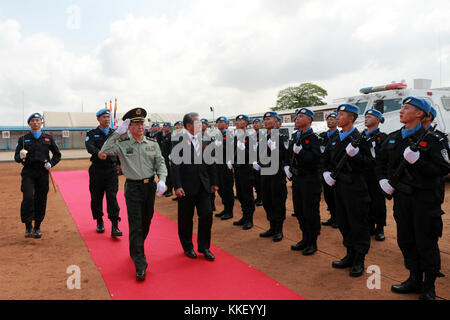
(135, 115)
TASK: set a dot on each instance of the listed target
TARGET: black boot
(240, 222)
(357, 268)
(345, 262)
(311, 247)
(429, 292)
(100, 226)
(268, 233)
(248, 223)
(28, 230)
(379, 233)
(329, 222)
(115, 231)
(220, 214)
(278, 236)
(299, 246)
(412, 285)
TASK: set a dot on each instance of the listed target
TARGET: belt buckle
(146, 180)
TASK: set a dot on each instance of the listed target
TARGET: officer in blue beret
(328, 192)
(419, 162)
(226, 179)
(373, 139)
(302, 167)
(343, 165)
(155, 133)
(257, 125)
(103, 174)
(274, 191)
(32, 152)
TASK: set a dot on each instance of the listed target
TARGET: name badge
(130, 151)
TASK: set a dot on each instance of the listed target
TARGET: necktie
(196, 145)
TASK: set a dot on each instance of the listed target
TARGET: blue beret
(167, 124)
(332, 115)
(103, 111)
(433, 112)
(222, 118)
(374, 112)
(420, 103)
(279, 119)
(178, 122)
(155, 125)
(270, 114)
(257, 120)
(204, 121)
(34, 115)
(244, 117)
(305, 111)
(348, 108)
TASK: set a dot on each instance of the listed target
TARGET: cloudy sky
(178, 56)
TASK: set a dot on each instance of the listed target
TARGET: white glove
(218, 143)
(288, 172)
(160, 188)
(351, 151)
(170, 157)
(256, 166)
(23, 154)
(328, 179)
(271, 144)
(241, 145)
(229, 165)
(47, 165)
(297, 149)
(123, 128)
(384, 184)
(411, 156)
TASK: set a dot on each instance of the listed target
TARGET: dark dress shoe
(357, 268)
(37, 233)
(169, 194)
(277, 237)
(140, 275)
(335, 225)
(345, 262)
(28, 232)
(329, 222)
(299, 246)
(208, 254)
(190, 254)
(226, 216)
(293, 214)
(380, 236)
(220, 214)
(248, 225)
(175, 199)
(240, 222)
(100, 226)
(311, 248)
(115, 232)
(267, 234)
(413, 284)
(259, 203)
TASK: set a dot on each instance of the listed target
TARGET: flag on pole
(111, 124)
(116, 121)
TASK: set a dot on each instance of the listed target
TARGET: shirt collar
(105, 131)
(329, 134)
(409, 132)
(133, 140)
(367, 133)
(344, 135)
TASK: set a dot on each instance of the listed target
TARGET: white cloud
(235, 55)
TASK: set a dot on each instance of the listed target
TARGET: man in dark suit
(166, 148)
(194, 181)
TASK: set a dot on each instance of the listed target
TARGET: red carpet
(171, 275)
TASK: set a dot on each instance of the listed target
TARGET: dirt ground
(37, 268)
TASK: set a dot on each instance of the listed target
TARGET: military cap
(420, 103)
(257, 120)
(102, 112)
(332, 115)
(305, 111)
(374, 112)
(348, 108)
(243, 117)
(433, 112)
(270, 114)
(222, 118)
(34, 115)
(156, 124)
(135, 115)
(205, 121)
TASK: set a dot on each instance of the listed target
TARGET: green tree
(303, 96)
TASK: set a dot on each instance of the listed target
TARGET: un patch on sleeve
(87, 138)
(445, 155)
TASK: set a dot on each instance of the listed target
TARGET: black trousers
(306, 192)
(274, 195)
(104, 181)
(377, 208)
(226, 182)
(257, 184)
(140, 200)
(169, 183)
(186, 206)
(328, 194)
(352, 209)
(35, 189)
(419, 226)
(243, 175)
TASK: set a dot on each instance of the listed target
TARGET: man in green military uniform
(141, 159)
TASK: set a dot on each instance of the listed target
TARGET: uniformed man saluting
(32, 152)
(141, 159)
(416, 192)
(103, 174)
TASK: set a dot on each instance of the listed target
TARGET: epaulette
(152, 139)
(124, 139)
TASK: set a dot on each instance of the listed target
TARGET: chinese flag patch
(306, 141)
(47, 139)
(423, 144)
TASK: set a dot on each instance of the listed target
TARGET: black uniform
(377, 213)
(166, 149)
(352, 200)
(257, 176)
(443, 138)
(206, 140)
(243, 174)
(226, 181)
(274, 191)
(34, 175)
(103, 176)
(417, 201)
(328, 192)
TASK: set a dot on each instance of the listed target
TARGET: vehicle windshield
(362, 106)
(392, 105)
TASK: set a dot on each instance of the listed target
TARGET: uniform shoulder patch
(444, 153)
